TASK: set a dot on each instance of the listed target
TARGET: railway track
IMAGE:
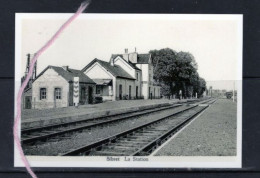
(37, 134)
(141, 140)
(59, 131)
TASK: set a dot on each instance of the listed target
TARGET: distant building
(53, 87)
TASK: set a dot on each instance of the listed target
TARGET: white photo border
(154, 162)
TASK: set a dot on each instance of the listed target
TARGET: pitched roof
(141, 58)
(120, 55)
(115, 70)
(69, 74)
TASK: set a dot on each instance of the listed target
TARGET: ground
(79, 139)
(213, 133)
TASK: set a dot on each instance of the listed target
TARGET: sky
(213, 42)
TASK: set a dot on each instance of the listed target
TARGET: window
(98, 89)
(57, 93)
(43, 93)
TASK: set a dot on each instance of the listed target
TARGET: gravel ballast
(86, 137)
(212, 134)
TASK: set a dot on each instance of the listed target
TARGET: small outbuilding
(113, 82)
(55, 87)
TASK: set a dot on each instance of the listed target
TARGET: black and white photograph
(131, 90)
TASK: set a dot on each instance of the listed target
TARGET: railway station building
(125, 76)
(112, 81)
(53, 87)
(143, 63)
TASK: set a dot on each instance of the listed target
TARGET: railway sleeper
(141, 137)
(133, 142)
(158, 129)
(148, 134)
(102, 153)
(124, 148)
(129, 144)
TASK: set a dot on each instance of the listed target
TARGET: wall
(49, 80)
(125, 87)
(98, 72)
(145, 71)
(105, 91)
(145, 79)
(26, 93)
(138, 82)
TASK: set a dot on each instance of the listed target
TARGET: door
(149, 93)
(136, 94)
(57, 96)
(120, 92)
(82, 98)
(90, 95)
(28, 102)
(130, 92)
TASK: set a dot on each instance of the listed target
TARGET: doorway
(120, 92)
(136, 94)
(90, 95)
(149, 93)
(82, 95)
(130, 92)
(28, 102)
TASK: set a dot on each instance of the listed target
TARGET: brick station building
(53, 87)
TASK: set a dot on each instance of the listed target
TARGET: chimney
(28, 63)
(112, 62)
(66, 68)
(126, 55)
(133, 57)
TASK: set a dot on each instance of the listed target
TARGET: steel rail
(33, 129)
(147, 149)
(51, 133)
(88, 148)
(77, 128)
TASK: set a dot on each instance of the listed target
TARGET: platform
(213, 133)
(36, 118)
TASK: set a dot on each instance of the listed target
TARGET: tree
(177, 71)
